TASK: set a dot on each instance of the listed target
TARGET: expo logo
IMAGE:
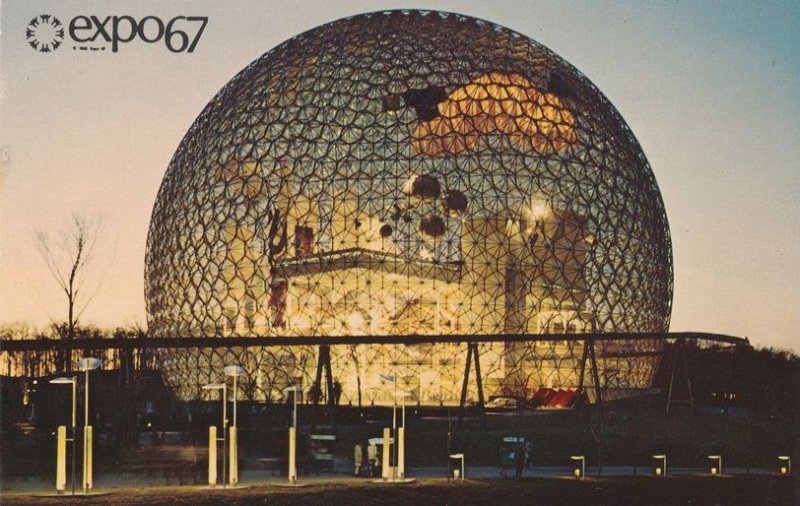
(45, 33)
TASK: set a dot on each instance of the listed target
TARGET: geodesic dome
(409, 173)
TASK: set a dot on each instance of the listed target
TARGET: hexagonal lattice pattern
(409, 173)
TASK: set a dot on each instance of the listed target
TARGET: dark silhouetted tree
(68, 260)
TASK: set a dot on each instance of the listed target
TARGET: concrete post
(87, 457)
(212, 455)
(61, 459)
(387, 448)
(293, 455)
(234, 472)
(401, 452)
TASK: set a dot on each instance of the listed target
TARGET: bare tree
(68, 260)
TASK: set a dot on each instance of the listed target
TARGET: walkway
(108, 481)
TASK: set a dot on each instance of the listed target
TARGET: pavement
(109, 481)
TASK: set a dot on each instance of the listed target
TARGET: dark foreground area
(744, 490)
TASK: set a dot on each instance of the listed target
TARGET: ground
(630, 434)
(695, 490)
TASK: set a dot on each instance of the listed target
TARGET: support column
(598, 393)
(293, 454)
(87, 457)
(479, 380)
(672, 376)
(212, 455)
(581, 377)
(329, 384)
(588, 353)
(387, 449)
(234, 456)
(401, 452)
(318, 374)
(688, 373)
(464, 385)
(61, 459)
(317, 385)
(324, 365)
(680, 352)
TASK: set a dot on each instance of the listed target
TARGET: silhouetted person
(315, 392)
(358, 457)
(519, 459)
(372, 456)
(528, 453)
(337, 392)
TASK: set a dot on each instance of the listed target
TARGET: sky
(710, 89)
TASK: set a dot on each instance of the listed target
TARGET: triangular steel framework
(472, 353)
(324, 364)
(588, 352)
(680, 356)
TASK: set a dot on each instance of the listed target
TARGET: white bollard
(293, 455)
(234, 461)
(387, 449)
(61, 459)
(401, 452)
(87, 457)
(212, 455)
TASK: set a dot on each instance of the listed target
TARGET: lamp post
(788, 469)
(400, 436)
(234, 371)
(73, 380)
(718, 469)
(87, 364)
(394, 427)
(293, 436)
(663, 469)
(582, 460)
(393, 379)
(460, 457)
(402, 394)
(222, 386)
